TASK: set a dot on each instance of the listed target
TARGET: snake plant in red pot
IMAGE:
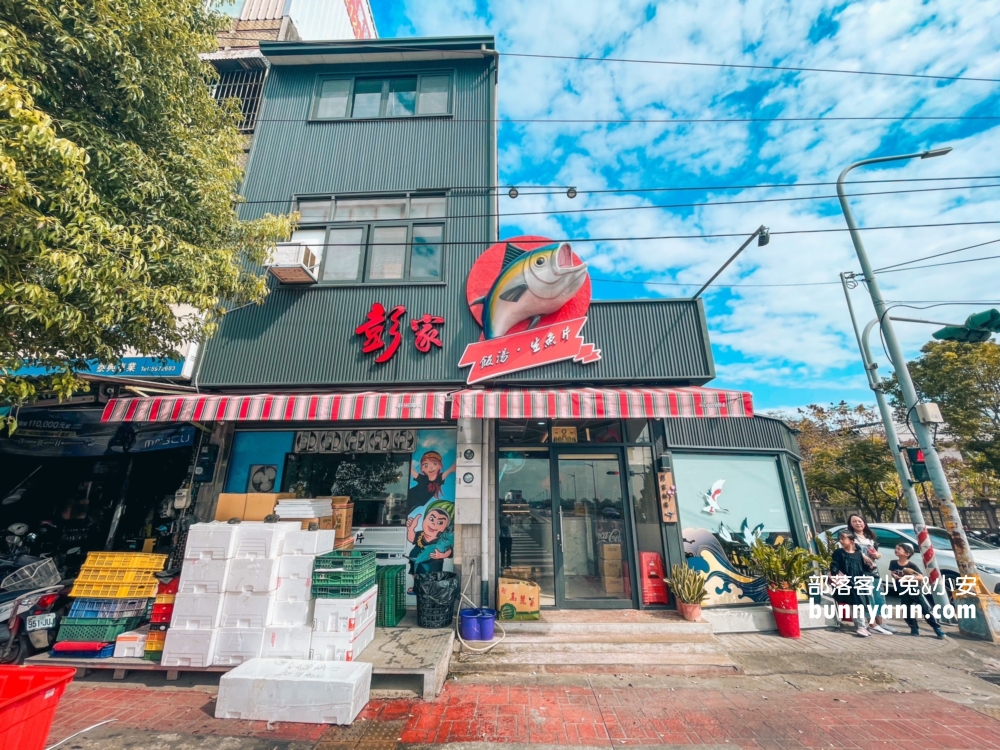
(786, 569)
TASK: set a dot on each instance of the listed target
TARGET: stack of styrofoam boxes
(289, 636)
(343, 626)
(225, 611)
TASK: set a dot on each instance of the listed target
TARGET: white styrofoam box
(294, 590)
(258, 539)
(296, 566)
(211, 541)
(203, 576)
(341, 646)
(236, 645)
(345, 615)
(293, 690)
(252, 575)
(196, 611)
(247, 610)
(188, 648)
(292, 614)
(131, 645)
(308, 542)
(381, 539)
(286, 643)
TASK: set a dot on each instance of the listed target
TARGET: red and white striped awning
(600, 403)
(289, 407)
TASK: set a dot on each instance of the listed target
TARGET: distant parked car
(986, 556)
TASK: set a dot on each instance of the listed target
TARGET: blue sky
(791, 345)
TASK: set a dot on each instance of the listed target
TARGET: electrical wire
(639, 61)
(605, 209)
(726, 286)
(479, 243)
(652, 121)
(935, 255)
(937, 265)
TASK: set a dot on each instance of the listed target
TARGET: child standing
(849, 563)
(903, 568)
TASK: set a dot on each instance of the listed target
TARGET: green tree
(846, 459)
(964, 380)
(118, 187)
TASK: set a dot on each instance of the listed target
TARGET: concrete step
(528, 646)
(609, 629)
(645, 663)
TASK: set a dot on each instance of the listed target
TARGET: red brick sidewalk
(469, 712)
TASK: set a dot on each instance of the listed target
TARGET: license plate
(41, 622)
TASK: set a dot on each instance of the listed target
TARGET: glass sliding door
(525, 519)
(593, 555)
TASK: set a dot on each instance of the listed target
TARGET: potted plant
(785, 568)
(688, 586)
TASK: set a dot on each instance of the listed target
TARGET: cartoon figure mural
(430, 534)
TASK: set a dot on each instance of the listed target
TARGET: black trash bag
(438, 589)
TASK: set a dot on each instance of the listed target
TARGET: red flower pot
(785, 606)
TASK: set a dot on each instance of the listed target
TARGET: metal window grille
(245, 85)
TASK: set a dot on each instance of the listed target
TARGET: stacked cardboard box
(234, 603)
(609, 567)
(248, 506)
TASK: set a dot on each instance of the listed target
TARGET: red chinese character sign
(531, 296)
(373, 328)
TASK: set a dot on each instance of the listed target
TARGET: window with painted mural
(725, 503)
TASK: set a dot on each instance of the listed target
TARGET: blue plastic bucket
(486, 621)
(469, 625)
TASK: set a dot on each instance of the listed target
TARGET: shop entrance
(572, 541)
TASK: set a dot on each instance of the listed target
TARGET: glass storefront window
(523, 431)
(645, 502)
(725, 503)
(637, 430)
(587, 431)
(524, 491)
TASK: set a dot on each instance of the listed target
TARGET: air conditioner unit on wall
(293, 263)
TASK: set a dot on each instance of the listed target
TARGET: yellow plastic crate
(114, 575)
(113, 590)
(164, 598)
(153, 646)
(132, 560)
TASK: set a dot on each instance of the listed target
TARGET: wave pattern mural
(726, 585)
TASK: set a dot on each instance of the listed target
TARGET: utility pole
(985, 622)
(912, 502)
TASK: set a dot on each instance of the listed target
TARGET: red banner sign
(521, 351)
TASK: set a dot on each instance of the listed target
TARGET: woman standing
(867, 544)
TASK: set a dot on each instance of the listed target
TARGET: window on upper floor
(421, 95)
(378, 240)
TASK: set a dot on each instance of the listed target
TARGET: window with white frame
(423, 95)
(377, 240)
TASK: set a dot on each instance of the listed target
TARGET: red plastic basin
(28, 700)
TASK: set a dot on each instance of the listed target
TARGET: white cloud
(792, 335)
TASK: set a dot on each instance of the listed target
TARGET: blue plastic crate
(104, 653)
(108, 609)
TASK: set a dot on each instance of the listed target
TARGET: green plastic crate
(342, 577)
(152, 655)
(391, 595)
(341, 591)
(95, 629)
(346, 560)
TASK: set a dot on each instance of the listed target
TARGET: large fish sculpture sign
(531, 296)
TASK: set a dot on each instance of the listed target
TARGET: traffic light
(977, 329)
(918, 469)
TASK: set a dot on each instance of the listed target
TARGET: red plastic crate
(169, 588)
(654, 588)
(29, 697)
(161, 613)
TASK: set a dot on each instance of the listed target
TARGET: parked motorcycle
(33, 598)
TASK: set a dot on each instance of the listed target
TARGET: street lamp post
(986, 620)
(912, 503)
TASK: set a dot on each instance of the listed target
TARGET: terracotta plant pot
(785, 607)
(690, 612)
